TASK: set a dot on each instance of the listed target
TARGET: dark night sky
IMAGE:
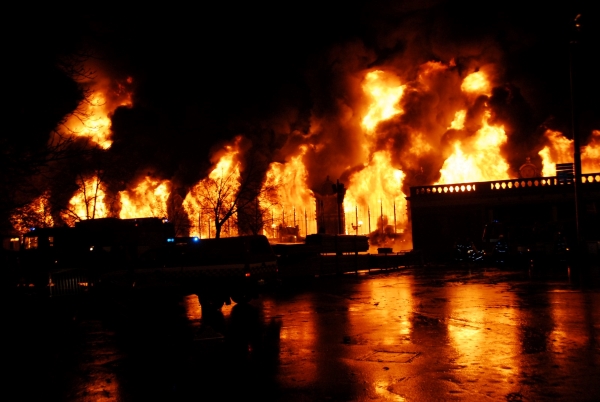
(202, 74)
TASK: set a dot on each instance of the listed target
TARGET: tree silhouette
(238, 197)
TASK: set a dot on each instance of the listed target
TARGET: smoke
(295, 81)
(298, 95)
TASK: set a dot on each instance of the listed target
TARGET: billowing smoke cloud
(297, 79)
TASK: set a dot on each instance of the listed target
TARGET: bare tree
(89, 201)
(235, 198)
(30, 152)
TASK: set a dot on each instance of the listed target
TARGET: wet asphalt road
(408, 335)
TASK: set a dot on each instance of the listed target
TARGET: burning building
(412, 108)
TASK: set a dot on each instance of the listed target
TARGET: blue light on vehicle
(195, 239)
(171, 240)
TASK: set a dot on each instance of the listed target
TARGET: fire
(476, 83)
(590, 154)
(92, 118)
(477, 158)
(148, 198)
(385, 91)
(459, 120)
(89, 202)
(35, 214)
(374, 193)
(560, 150)
(295, 200)
(214, 196)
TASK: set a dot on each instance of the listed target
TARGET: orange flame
(476, 83)
(590, 155)
(88, 202)
(385, 91)
(376, 189)
(295, 201)
(560, 150)
(92, 118)
(213, 196)
(148, 198)
(477, 158)
(35, 214)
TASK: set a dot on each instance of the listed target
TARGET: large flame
(36, 214)
(375, 194)
(373, 199)
(213, 197)
(477, 158)
(88, 202)
(295, 203)
(560, 150)
(476, 83)
(92, 118)
(148, 198)
(384, 91)
(590, 155)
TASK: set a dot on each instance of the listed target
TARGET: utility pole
(394, 216)
(356, 220)
(573, 64)
(381, 206)
(305, 224)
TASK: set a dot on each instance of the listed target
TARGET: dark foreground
(416, 334)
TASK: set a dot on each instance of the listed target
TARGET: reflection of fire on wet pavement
(402, 335)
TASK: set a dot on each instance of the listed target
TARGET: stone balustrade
(501, 185)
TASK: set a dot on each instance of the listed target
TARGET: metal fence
(501, 185)
(67, 282)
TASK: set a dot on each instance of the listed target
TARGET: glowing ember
(385, 91)
(477, 158)
(148, 198)
(88, 202)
